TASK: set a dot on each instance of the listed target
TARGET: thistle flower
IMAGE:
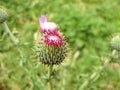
(47, 27)
(3, 15)
(51, 49)
(52, 46)
(115, 42)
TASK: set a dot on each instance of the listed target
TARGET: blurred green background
(88, 26)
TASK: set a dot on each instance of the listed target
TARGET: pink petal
(53, 39)
(42, 19)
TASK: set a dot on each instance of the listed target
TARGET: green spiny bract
(115, 42)
(3, 15)
(51, 55)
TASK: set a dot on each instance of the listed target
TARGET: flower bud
(115, 42)
(3, 15)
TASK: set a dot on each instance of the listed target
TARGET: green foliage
(87, 25)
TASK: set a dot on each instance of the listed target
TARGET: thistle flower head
(47, 27)
(53, 40)
(3, 15)
(52, 47)
(115, 42)
(51, 54)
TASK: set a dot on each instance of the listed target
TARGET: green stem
(50, 68)
(94, 76)
(7, 30)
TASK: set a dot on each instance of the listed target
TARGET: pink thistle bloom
(53, 39)
(47, 27)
